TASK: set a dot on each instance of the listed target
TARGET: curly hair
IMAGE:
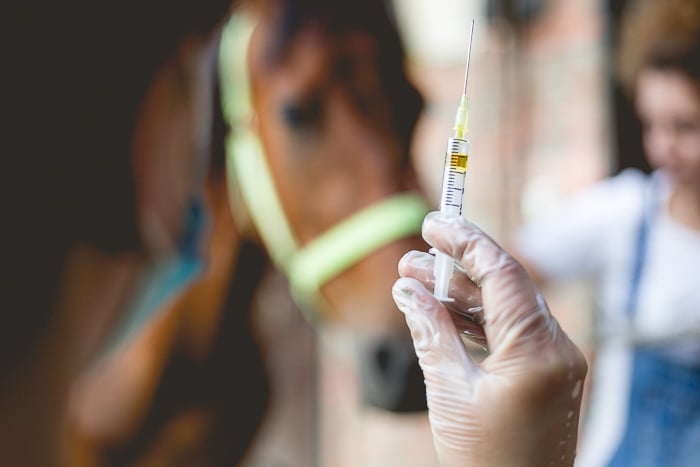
(659, 34)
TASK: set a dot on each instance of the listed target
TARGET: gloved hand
(520, 405)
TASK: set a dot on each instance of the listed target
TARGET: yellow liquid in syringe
(459, 162)
(455, 168)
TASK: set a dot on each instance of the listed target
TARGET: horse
(332, 113)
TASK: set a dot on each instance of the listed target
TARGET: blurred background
(543, 123)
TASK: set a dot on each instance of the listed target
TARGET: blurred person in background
(638, 238)
(110, 111)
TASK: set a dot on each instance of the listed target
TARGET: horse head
(333, 112)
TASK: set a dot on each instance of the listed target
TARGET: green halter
(309, 267)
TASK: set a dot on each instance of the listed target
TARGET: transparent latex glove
(520, 405)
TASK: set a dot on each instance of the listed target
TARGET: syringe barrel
(455, 168)
(456, 158)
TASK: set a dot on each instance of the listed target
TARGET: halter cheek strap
(309, 267)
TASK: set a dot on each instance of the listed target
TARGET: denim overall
(663, 422)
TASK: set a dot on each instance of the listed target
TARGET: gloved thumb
(449, 371)
(439, 348)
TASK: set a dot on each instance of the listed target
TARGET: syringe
(455, 169)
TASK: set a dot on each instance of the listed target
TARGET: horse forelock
(338, 19)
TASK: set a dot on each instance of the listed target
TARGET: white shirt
(593, 235)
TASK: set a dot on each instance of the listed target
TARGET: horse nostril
(390, 376)
(383, 358)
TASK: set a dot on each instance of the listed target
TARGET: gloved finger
(466, 295)
(440, 351)
(469, 325)
(514, 313)
(451, 377)
(466, 310)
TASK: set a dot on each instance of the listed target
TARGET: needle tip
(469, 55)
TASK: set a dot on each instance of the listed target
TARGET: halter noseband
(310, 266)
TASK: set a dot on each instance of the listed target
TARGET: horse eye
(302, 115)
(344, 67)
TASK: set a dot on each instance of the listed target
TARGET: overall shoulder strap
(641, 240)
